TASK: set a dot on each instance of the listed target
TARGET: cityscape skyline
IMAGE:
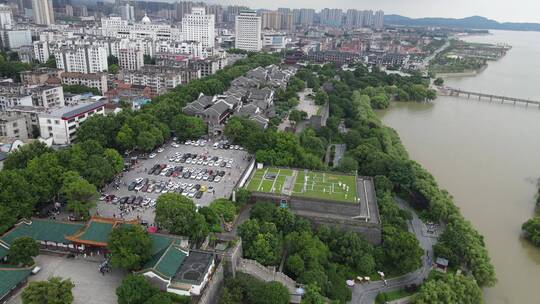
(522, 10)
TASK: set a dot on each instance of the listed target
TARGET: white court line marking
(275, 179)
(262, 179)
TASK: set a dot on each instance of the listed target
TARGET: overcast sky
(500, 10)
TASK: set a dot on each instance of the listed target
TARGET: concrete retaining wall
(314, 205)
(266, 274)
(327, 213)
(371, 232)
(211, 292)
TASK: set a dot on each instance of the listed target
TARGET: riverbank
(483, 153)
(470, 73)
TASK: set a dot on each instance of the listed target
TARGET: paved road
(366, 293)
(340, 152)
(426, 61)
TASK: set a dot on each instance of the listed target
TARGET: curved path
(366, 293)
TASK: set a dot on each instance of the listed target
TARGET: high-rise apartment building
(352, 17)
(41, 51)
(367, 18)
(82, 59)
(6, 17)
(81, 11)
(282, 19)
(304, 16)
(183, 8)
(199, 26)
(331, 17)
(284, 10)
(131, 59)
(378, 22)
(43, 12)
(286, 21)
(248, 31)
(217, 11)
(271, 20)
(127, 12)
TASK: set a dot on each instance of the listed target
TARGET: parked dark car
(153, 169)
(132, 186)
(132, 199)
(199, 194)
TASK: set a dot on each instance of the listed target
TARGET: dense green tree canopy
(224, 208)
(79, 193)
(19, 158)
(53, 291)
(129, 247)
(114, 69)
(178, 215)
(400, 252)
(449, 289)
(22, 250)
(135, 289)
(188, 127)
(17, 198)
(260, 241)
(79, 89)
(532, 230)
(312, 295)
(438, 82)
(111, 59)
(246, 289)
(462, 245)
(297, 116)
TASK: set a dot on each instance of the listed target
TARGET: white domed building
(118, 28)
(146, 19)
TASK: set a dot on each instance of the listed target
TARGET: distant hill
(474, 22)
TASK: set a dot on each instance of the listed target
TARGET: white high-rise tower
(200, 27)
(6, 17)
(248, 31)
(43, 12)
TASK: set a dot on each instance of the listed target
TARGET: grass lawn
(308, 184)
(391, 296)
(326, 185)
(260, 183)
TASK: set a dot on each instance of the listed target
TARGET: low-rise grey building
(13, 127)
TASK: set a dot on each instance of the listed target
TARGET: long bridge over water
(485, 96)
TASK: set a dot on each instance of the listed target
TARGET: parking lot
(202, 171)
(91, 287)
